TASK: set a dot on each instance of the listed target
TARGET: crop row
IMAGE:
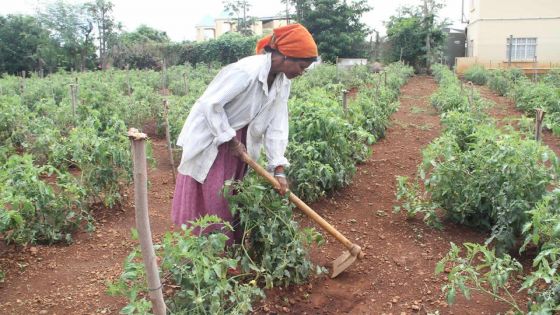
(492, 179)
(326, 142)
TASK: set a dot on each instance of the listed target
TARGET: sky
(179, 17)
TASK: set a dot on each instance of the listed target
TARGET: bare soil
(395, 277)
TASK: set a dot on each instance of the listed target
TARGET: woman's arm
(228, 84)
(276, 141)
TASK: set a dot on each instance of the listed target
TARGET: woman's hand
(236, 147)
(282, 180)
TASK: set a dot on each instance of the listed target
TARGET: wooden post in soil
(385, 75)
(164, 78)
(138, 141)
(128, 79)
(538, 123)
(470, 96)
(168, 137)
(185, 79)
(73, 92)
(345, 101)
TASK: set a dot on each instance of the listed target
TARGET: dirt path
(396, 277)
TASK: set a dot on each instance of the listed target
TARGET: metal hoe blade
(345, 260)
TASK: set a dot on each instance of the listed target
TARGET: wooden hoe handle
(299, 203)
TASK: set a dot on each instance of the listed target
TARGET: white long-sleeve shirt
(238, 96)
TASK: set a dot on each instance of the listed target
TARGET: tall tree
(142, 48)
(414, 35)
(101, 13)
(72, 28)
(25, 45)
(241, 9)
(335, 26)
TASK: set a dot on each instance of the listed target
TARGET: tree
(335, 26)
(143, 48)
(25, 45)
(100, 11)
(414, 35)
(240, 8)
(72, 28)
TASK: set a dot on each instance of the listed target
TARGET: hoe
(343, 261)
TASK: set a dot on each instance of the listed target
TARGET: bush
(476, 74)
(498, 82)
(490, 183)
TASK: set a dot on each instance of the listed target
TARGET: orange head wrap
(292, 40)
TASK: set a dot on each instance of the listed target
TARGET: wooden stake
(385, 74)
(138, 141)
(470, 96)
(21, 86)
(538, 123)
(128, 80)
(73, 92)
(164, 77)
(185, 78)
(345, 101)
(168, 137)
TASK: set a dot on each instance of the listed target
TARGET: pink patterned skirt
(193, 200)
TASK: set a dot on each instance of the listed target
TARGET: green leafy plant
(274, 245)
(476, 74)
(196, 264)
(413, 202)
(479, 270)
(39, 204)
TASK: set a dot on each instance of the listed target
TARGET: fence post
(138, 141)
(168, 137)
(128, 79)
(385, 75)
(345, 101)
(539, 117)
(185, 79)
(164, 77)
(73, 91)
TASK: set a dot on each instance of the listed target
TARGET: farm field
(396, 276)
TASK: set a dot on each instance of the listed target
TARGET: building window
(522, 48)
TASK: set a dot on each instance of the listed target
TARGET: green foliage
(476, 74)
(407, 32)
(198, 264)
(144, 48)
(321, 134)
(14, 119)
(543, 231)
(479, 270)
(501, 81)
(38, 204)
(275, 247)
(529, 96)
(335, 26)
(226, 49)
(72, 28)
(552, 78)
(452, 96)
(492, 183)
(412, 201)
(102, 153)
(24, 43)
